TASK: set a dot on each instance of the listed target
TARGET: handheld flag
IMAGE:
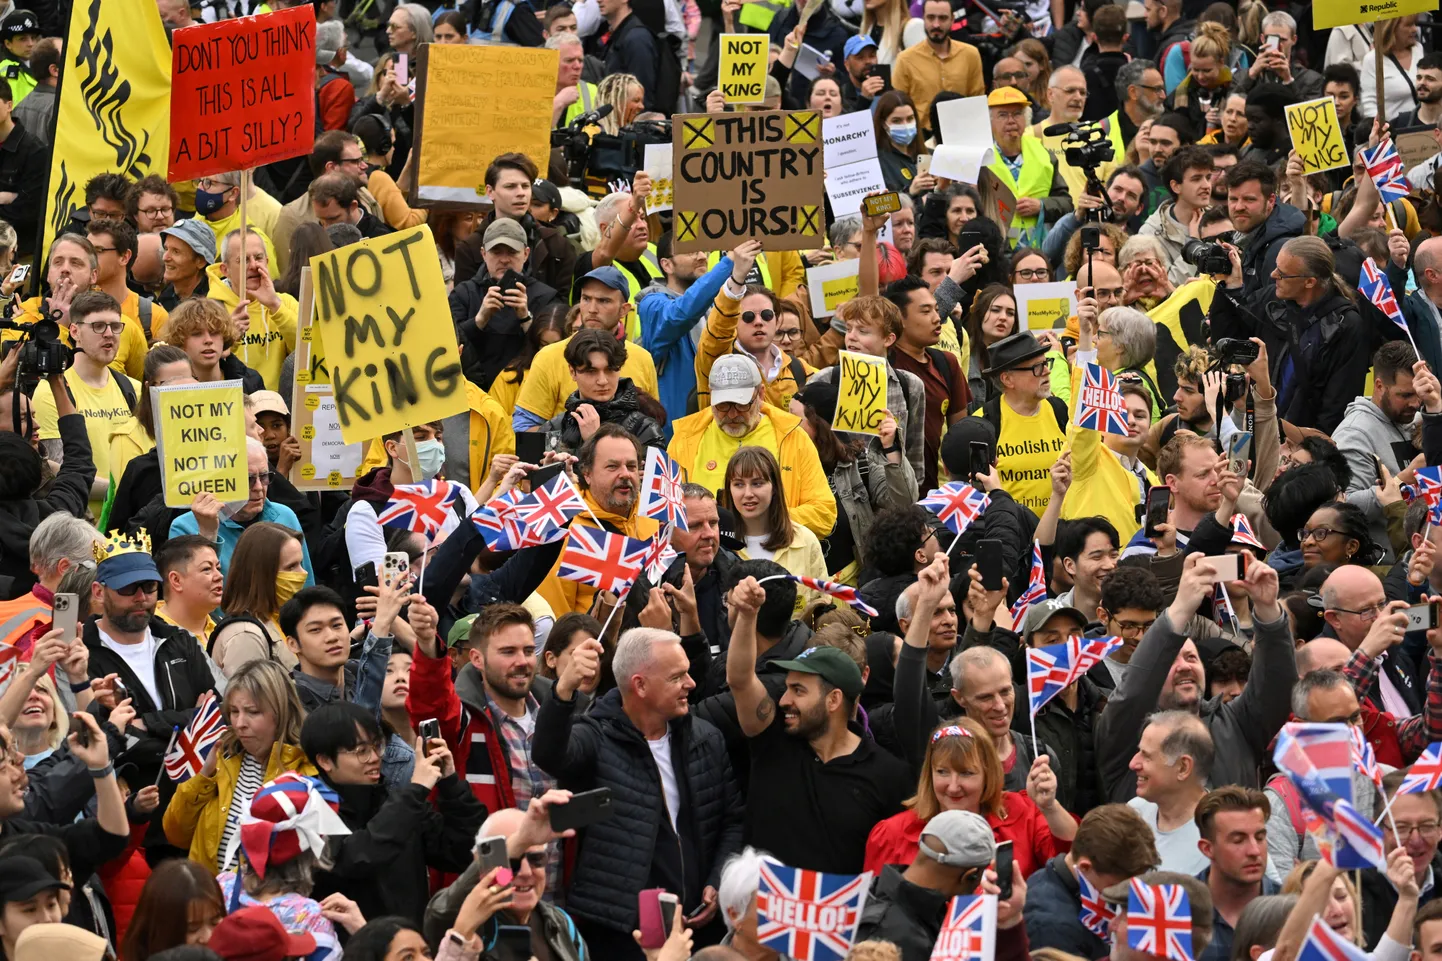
(1324, 944)
(661, 490)
(808, 915)
(1375, 286)
(550, 506)
(969, 931)
(1429, 485)
(1096, 913)
(956, 504)
(1386, 169)
(1035, 591)
(1363, 756)
(1100, 405)
(1317, 758)
(498, 524)
(605, 561)
(192, 746)
(659, 554)
(841, 592)
(9, 660)
(1052, 668)
(1159, 920)
(1425, 774)
(1243, 534)
(422, 508)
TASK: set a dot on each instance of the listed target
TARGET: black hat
(547, 193)
(726, 527)
(1012, 350)
(22, 878)
(19, 23)
(821, 397)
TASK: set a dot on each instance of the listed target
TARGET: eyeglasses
(790, 333)
(536, 859)
(1108, 293)
(103, 250)
(155, 211)
(149, 587)
(1033, 273)
(1318, 534)
(1366, 613)
(362, 750)
(1041, 368)
(1428, 829)
(210, 186)
(1159, 88)
(263, 479)
(352, 160)
(1018, 75)
(1134, 628)
(750, 316)
(101, 326)
(1281, 276)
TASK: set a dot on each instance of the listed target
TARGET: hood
(219, 289)
(622, 403)
(1366, 417)
(375, 487)
(656, 287)
(796, 639)
(470, 685)
(923, 904)
(879, 682)
(1167, 226)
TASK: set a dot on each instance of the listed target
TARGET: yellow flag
(114, 109)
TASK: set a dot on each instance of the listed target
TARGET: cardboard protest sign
(1317, 135)
(998, 202)
(748, 176)
(861, 393)
(658, 165)
(832, 285)
(744, 62)
(473, 103)
(1415, 146)
(200, 440)
(242, 93)
(392, 365)
(326, 462)
(1044, 306)
(1339, 13)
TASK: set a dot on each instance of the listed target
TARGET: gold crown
(117, 543)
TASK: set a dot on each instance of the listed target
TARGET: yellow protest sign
(831, 285)
(383, 315)
(1049, 313)
(861, 393)
(834, 293)
(1044, 306)
(1339, 13)
(744, 64)
(1317, 135)
(200, 441)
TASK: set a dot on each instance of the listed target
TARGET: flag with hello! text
(1100, 406)
(969, 931)
(808, 915)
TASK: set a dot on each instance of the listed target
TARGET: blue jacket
(666, 321)
(230, 531)
(1053, 909)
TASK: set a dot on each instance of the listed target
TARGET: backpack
(991, 412)
(319, 124)
(243, 619)
(127, 389)
(147, 306)
(1186, 46)
(1287, 791)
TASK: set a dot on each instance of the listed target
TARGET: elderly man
(703, 442)
(574, 96)
(1068, 91)
(1024, 164)
(268, 317)
(1357, 612)
(1172, 763)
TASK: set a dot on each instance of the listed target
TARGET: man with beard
(710, 564)
(1232, 824)
(818, 784)
(1127, 192)
(937, 63)
(1165, 672)
(1429, 96)
(1374, 426)
(1142, 95)
(1172, 761)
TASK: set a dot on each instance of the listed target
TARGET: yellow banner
(384, 320)
(836, 292)
(114, 109)
(1339, 13)
(200, 436)
(861, 397)
(1317, 135)
(744, 62)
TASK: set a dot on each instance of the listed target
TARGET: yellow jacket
(1100, 485)
(565, 595)
(129, 356)
(128, 440)
(271, 335)
(718, 337)
(808, 495)
(195, 819)
(225, 225)
(397, 214)
(491, 434)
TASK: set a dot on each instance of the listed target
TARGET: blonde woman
(1202, 92)
(1397, 39)
(31, 706)
(888, 23)
(627, 98)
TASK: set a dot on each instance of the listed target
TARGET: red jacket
(894, 840)
(464, 727)
(123, 878)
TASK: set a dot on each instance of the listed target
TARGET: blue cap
(122, 570)
(858, 43)
(611, 277)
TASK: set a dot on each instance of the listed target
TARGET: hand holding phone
(1004, 867)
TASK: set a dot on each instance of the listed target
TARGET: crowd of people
(832, 673)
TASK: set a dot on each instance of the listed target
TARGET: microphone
(587, 119)
(1057, 129)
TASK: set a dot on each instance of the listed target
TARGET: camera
(1207, 257)
(1087, 147)
(42, 354)
(602, 156)
(1234, 350)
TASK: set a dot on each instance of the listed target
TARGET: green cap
(460, 630)
(831, 664)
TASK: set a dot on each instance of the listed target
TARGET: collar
(494, 709)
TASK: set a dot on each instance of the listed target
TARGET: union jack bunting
(1159, 920)
(1096, 913)
(1324, 944)
(841, 592)
(605, 561)
(808, 915)
(956, 505)
(1052, 668)
(550, 506)
(1374, 284)
(969, 931)
(661, 490)
(1243, 534)
(1363, 756)
(192, 745)
(1425, 774)
(1100, 405)
(659, 554)
(422, 508)
(1035, 591)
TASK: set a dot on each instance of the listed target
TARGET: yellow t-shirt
(102, 409)
(158, 316)
(1026, 450)
(505, 389)
(717, 447)
(549, 382)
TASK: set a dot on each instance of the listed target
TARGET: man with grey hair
(1276, 63)
(641, 743)
(59, 544)
(1172, 763)
(709, 562)
(574, 97)
(1141, 94)
(1420, 308)
(625, 242)
(740, 880)
(845, 237)
(334, 95)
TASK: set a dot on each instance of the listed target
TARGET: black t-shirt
(814, 815)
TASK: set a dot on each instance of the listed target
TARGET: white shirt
(1177, 848)
(755, 551)
(1397, 92)
(140, 658)
(365, 540)
(661, 751)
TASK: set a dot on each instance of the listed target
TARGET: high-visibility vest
(1114, 130)
(1037, 171)
(20, 616)
(584, 104)
(715, 259)
(758, 14)
(652, 263)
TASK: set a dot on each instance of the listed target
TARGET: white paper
(966, 139)
(807, 60)
(846, 186)
(1026, 293)
(848, 138)
(658, 165)
(327, 451)
(816, 278)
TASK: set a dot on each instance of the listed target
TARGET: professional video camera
(604, 157)
(1087, 147)
(42, 355)
(1207, 256)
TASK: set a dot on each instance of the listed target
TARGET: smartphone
(544, 475)
(882, 204)
(923, 166)
(80, 730)
(492, 854)
(1422, 617)
(121, 691)
(1273, 42)
(980, 459)
(1159, 503)
(1003, 870)
(882, 70)
(670, 904)
(531, 446)
(511, 280)
(1228, 567)
(1239, 451)
(654, 927)
(1376, 468)
(66, 612)
(394, 567)
(513, 942)
(988, 561)
(365, 576)
(403, 69)
(582, 810)
(19, 274)
(429, 730)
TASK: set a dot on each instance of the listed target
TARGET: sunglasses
(149, 587)
(750, 316)
(536, 859)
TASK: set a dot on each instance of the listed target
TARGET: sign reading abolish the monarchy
(243, 93)
(383, 314)
(200, 440)
(748, 176)
(1339, 13)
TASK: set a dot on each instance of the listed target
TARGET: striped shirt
(250, 779)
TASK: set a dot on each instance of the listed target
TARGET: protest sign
(966, 144)
(1340, 13)
(748, 176)
(861, 393)
(832, 285)
(1044, 306)
(473, 103)
(391, 365)
(846, 186)
(848, 138)
(658, 165)
(326, 461)
(242, 93)
(200, 441)
(998, 202)
(744, 61)
(1317, 135)
(1415, 146)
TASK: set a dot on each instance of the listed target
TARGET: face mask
(207, 203)
(432, 456)
(287, 583)
(900, 135)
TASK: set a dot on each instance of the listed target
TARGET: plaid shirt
(527, 779)
(1416, 732)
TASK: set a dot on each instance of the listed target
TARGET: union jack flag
(1363, 838)
(659, 554)
(808, 915)
(1374, 284)
(191, 746)
(1386, 169)
(1100, 405)
(1035, 591)
(1324, 944)
(1159, 920)
(841, 592)
(1429, 485)
(422, 508)
(1425, 774)
(956, 504)
(605, 561)
(969, 931)
(1363, 756)
(1096, 913)
(1052, 668)
(496, 520)
(1243, 534)
(661, 490)
(549, 507)
(1317, 758)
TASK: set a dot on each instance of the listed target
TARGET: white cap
(733, 380)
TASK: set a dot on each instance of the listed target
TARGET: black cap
(22, 878)
(19, 23)
(956, 445)
(545, 192)
(821, 397)
(1011, 350)
(726, 526)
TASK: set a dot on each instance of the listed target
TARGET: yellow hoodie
(566, 595)
(271, 335)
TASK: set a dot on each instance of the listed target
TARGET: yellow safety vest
(652, 263)
(584, 104)
(715, 259)
(758, 14)
(1037, 171)
(1114, 130)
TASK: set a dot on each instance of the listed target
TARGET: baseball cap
(611, 277)
(1038, 614)
(19, 23)
(832, 665)
(821, 397)
(59, 942)
(194, 234)
(122, 570)
(543, 191)
(505, 232)
(965, 838)
(1007, 96)
(733, 380)
(268, 400)
(856, 44)
(256, 934)
(460, 630)
(21, 878)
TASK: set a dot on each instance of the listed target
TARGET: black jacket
(636, 848)
(68, 492)
(396, 834)
(485, 350)
(24, 163)
(906, 914)
(881, 593)
(553, 259)
(1100, 69)
(562, 432)
(710, 605)
(88, 844)
(632, 48)
(1379, 899)
(139, 485)
(1053, 908)
(824, 32)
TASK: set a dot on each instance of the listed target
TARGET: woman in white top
(1349, 44)
(753, 494)
(887, 22)
(1400, 53)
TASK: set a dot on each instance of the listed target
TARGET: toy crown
(117, 543)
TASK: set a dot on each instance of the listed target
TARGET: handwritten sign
(1317, 135)
(1415, 146)
(658, 165)
(747, 176)
(861, 393)
(998, 202)
(200, 439)
(391, 365)
(744, 61)
(1339, 13)
(1044, 306)
(472, 104)
(832, 285)
(242, 93)
(326, 461)
(847, 186)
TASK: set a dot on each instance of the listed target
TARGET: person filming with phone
(493, 309)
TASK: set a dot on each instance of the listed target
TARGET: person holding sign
(266, 320)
